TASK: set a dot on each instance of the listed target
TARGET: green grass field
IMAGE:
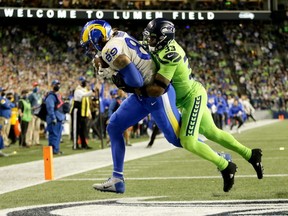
(175, 175)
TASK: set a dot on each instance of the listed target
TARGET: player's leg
(166, 115)
(168, 118)
(211, 132)
(192, 114)
(129, 113)
(191, 121)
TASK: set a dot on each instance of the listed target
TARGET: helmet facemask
(149, 41)
(89, 49)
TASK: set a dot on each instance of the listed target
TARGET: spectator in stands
(80, 113)
(254, 47)
(221, 109)
(104, 103)
(5, 113)
(212, 104)
(33, 133)
(248, 108)
(25, 116)
(14, 132)
(94, 105)
(54, 118)
(1, 143)
(236, 114)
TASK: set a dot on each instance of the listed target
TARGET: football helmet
(158, 33)
(97, 33)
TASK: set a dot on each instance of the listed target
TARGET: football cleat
(255, 160)
(228, 176)
(113, 184)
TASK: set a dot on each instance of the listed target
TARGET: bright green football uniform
(191, 99)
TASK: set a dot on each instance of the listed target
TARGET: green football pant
(196, 118)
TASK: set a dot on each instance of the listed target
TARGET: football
(100, 60)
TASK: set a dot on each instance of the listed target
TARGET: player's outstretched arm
(129, 72)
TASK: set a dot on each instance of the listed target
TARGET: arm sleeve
(132, 75)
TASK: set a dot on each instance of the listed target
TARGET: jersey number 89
(132, 44)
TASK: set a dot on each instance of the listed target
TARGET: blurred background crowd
(143, 4)
(230, 58)
(236, 58)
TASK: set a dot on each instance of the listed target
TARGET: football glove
(103, 73)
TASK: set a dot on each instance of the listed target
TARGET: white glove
(104, 72)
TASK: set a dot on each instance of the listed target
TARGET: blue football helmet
(158, 33)
(97, 33)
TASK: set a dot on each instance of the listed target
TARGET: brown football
(98, 60)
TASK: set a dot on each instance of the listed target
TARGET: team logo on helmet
(96, 31)
(167, 30)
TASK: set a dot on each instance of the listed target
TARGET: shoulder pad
(3, 101)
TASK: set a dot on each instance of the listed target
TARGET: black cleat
(228, 176)
(255, 160)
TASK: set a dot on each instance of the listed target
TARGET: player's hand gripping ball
(102, 68)
(99, 62)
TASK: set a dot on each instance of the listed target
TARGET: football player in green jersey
(191, 99)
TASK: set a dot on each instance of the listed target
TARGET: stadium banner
(55, 13)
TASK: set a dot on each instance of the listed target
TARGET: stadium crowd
(141, 5)
(232, 58)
